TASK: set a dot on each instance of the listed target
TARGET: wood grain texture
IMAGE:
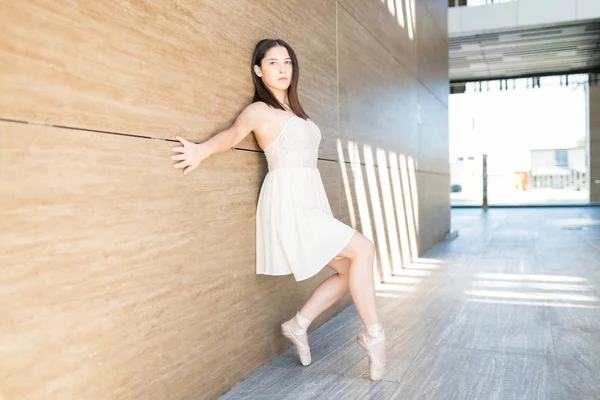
(434, 208)
(578, 361)
(433, 138)
(307, 384)
(443, 372)
(384, 108)
(391, 23)
(489, 334)
(156, 68)
(439, 11)
(123, 279)
(377, 95)
(432, 54)
(110, 256)
(388, 204)
(362, 203)
(402, 210)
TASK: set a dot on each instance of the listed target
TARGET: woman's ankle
(374, 330)
(301, 322)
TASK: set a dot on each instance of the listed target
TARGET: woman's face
(276, 68)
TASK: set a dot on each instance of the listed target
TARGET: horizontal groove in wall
(73, 128)
(168, 140)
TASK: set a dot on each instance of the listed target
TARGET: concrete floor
(509, 310)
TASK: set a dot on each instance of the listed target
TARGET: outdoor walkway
(509, 310)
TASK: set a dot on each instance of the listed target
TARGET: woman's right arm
(192, 154)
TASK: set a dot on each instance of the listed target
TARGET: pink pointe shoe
(375, 348)
(300, 340)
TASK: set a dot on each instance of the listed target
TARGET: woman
(295, 228)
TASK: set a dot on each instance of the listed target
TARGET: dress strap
(280, 133)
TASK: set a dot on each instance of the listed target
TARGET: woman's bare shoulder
(262, 113)
(253, 116)
(270, 121)
(258, 109)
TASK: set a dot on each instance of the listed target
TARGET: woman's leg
(354, 273)
(329, 291)
(361, 253)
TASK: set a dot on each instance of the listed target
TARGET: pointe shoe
(377, 356)
(300, 341)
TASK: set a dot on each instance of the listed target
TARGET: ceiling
(568, 48)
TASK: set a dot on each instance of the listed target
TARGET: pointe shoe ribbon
(300, 342)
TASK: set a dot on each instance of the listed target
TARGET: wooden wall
(120, 278)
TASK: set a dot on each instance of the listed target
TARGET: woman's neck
(282, 98)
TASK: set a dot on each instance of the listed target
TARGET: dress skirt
(296, 232)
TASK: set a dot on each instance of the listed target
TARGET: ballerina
(296, 232)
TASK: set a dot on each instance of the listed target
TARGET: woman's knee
(341, 265)
(360, 247)
(368, 248)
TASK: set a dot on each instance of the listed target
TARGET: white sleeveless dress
(296, 232)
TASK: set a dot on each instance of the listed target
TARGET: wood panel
(432, 54)
(384, 109)
(433, 153)
(377, 95)
(122, 278)
(433, 192)
(357, 191)
(418, 40)
(391, 23)
(384, 205)
(439, 11)
(158, 69)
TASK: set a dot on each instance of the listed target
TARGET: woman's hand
(191, 156)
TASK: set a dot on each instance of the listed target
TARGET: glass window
(562, 158)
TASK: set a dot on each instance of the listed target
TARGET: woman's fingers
(189, 169)
(187, 158)
(183, 141)
(182, 164)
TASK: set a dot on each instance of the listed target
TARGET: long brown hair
(261, 93)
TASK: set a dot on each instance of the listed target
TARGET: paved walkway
(509, 310)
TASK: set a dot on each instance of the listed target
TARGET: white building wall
(518, 14)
